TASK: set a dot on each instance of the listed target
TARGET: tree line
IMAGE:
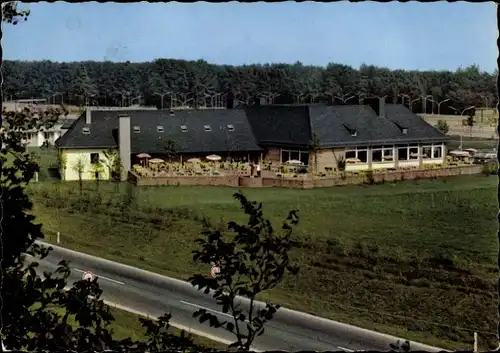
(172, 83)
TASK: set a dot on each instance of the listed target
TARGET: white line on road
(346, 349)
(202, 307)
(106, 278)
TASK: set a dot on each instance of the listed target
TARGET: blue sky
(396, 35)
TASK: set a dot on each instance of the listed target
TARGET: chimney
(88, 114)
(381, 107)
(124, 144)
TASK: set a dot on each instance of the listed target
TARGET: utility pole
(161, 95)
(403, 96)
(438, 104)
(424, 103)
(462, 114)
(413, 101)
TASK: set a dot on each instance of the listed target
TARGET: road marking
(106, 278)
(174, 324)
(346, 349)
(202, 307)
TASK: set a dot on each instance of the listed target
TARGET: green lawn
(416, 258)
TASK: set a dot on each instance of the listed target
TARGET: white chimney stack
(124, 144)
(88, 114)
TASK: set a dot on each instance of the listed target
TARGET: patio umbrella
(459, 153)
(214, 157)
(143, 156)
(156, 160)
(294, 162)
(470, 150)
(193, 160)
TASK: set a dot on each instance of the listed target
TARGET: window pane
(427, 151)
(350, 154)
(403, 154)
(437, 152)
(413, 152)
(363, 156)
(294, 155)
(304, 158)
(377, 156)
(285, 156)
(388, 155)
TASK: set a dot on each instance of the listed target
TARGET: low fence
(307, 182)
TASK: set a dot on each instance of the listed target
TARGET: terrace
(215, 171)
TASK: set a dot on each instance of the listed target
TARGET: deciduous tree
(253, 259)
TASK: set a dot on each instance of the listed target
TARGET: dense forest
(169, 82)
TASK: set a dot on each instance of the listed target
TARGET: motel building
(379, 136)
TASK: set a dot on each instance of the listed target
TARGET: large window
(382, 154)
(302, 156)
(350, 154)
(413, 152)
(388, 154)
(363, 156)
(359, 155)
(437, 151)
(427, 152)
(403, 153)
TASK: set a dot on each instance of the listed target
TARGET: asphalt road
(152, 294)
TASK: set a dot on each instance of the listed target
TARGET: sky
(412, 36)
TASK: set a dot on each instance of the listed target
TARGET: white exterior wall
(72, 157)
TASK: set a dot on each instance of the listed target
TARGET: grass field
(415, 259)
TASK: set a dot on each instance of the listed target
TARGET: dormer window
(404, 130)
(230, 127)
(184, 128)
(86, 130)
(352, 132)
(207, 128)
(137, 129)
(159, 128)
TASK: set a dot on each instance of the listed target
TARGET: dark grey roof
(284, 126)
(418, 128)
(280, 125)
(150, 140)
(334, 125)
